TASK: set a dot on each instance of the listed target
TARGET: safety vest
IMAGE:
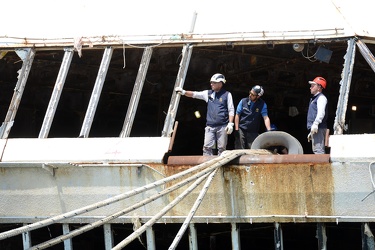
(217, 108)
(313, 111)
(251, 115)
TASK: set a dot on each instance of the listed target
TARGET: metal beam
(27, 59)
(235, 232)
(193, 238)
(137, 90)
(68, 244)
(366, 53)
(173, 106)
(150, 234)
(26, 239)
(278, 236)
(57, 90)
(347, 72)
(94, 100)
(322, 236)
(108, 236)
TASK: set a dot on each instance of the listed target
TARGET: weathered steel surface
(257, 190)
(288, 192)
(254, 188)
(254, 158)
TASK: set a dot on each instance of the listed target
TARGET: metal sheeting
(77, 150)
(260, 17)
(239, 193)
(352, 148)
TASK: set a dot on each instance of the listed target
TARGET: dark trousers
(244, 139)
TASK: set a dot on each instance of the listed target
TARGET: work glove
(314, 129)
(309, 137)
(229, 128)
(180, 91)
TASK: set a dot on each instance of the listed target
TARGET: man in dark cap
(249, 113)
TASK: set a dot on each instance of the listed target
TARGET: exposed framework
(29, 54)
(7, 124)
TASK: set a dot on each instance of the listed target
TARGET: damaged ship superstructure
(100, 152)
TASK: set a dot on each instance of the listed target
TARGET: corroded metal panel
(258, 190)
(288, 192)
(252, 158)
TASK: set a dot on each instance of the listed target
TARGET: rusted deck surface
(248, 159)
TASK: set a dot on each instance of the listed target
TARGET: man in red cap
(317, 115)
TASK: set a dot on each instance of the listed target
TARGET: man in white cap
(317, 115)
(220, 113)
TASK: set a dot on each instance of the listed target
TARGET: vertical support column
(278, 237)
(26, 239)
(137, 90)
(27, 56)
(367, 237)
(108, 236)
(322, 236)
(55, 97)
(193, 238)
(94, 100)
(172, 110)
(150, 238)
(236, 245)
(68, 245)
(342, 103)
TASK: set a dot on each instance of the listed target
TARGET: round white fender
(277, 138)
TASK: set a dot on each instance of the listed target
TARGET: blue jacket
(250, 117)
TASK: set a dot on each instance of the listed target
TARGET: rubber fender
(277, 138)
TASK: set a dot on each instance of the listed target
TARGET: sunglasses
(251, 94)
